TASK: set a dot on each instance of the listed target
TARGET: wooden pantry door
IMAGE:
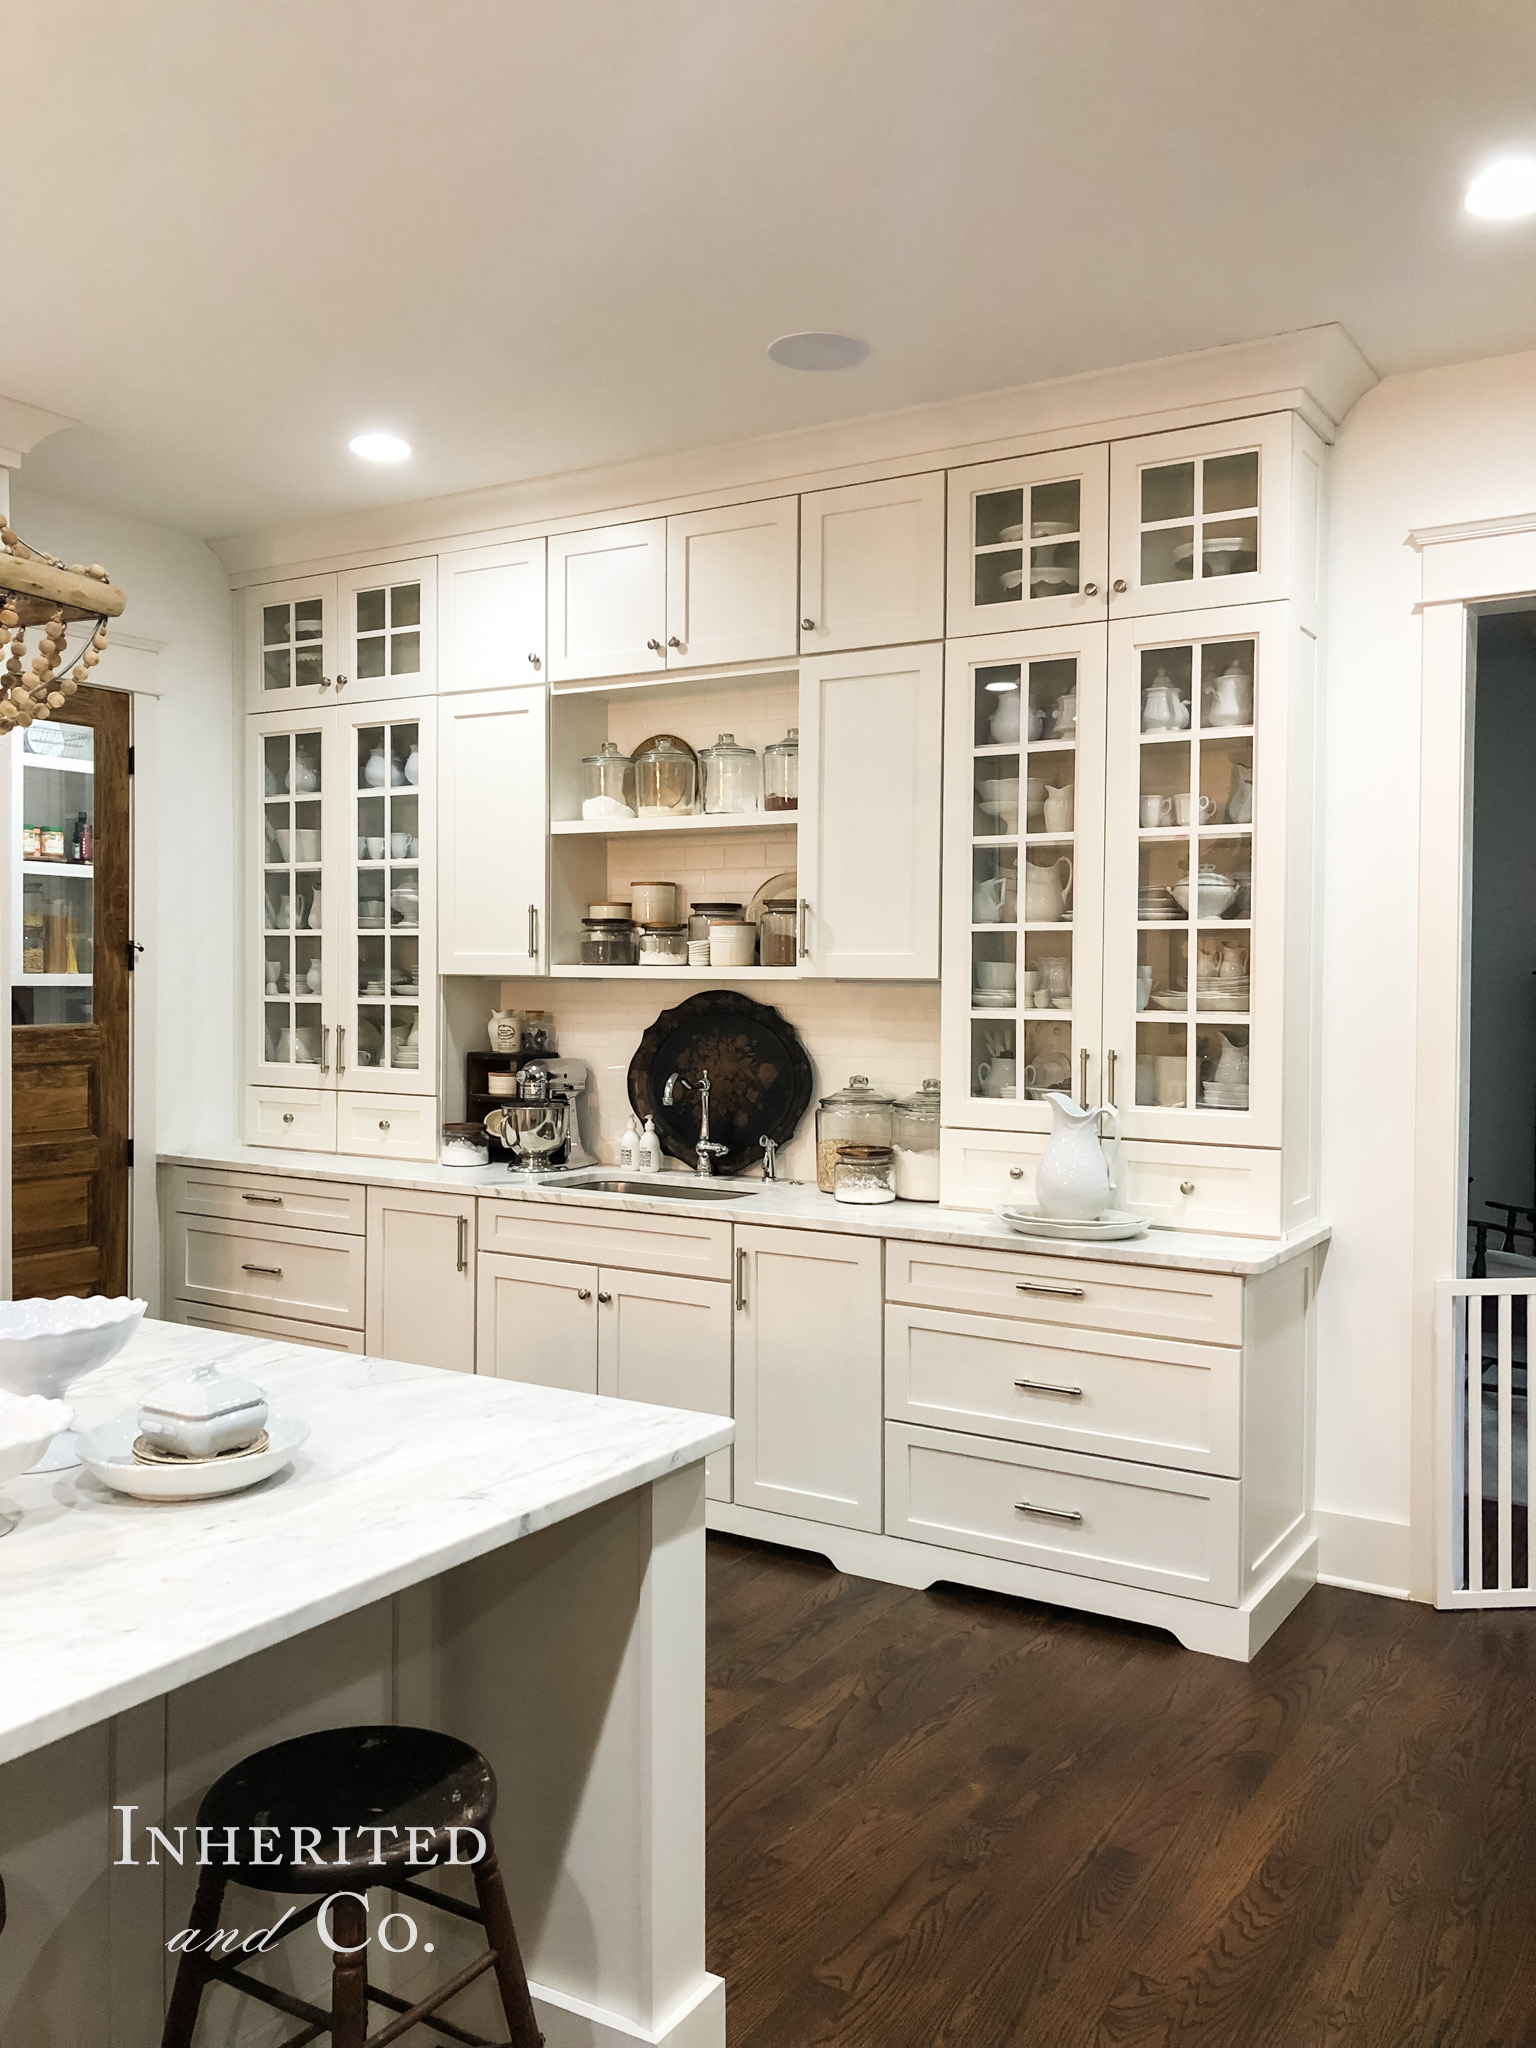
(69, 1009)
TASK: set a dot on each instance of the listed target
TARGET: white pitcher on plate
(1074, 1181)
(1045, 890)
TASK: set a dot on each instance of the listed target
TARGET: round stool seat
(346, 1779)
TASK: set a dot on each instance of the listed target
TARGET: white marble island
(519, 1566)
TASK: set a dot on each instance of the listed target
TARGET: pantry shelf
(608, 828)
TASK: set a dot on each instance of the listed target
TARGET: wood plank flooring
(947, 1820)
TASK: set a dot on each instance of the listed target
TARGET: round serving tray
(760, 1080)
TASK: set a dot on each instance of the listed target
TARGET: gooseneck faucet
(706, 1152)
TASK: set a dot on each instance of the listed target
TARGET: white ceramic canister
(654, 902)
(732, 945)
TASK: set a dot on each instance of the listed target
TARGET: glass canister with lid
(702, 915)
(733, 780)
(781, 773)
(915, 1136)
(666, 779)
(607, 787)
(778, 932)
(864, 1173)
(856, 1115)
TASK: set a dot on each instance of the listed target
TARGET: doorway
(70, 1044)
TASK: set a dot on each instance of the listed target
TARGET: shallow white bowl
(28, 1424)
(46, 1344)
(107, 1454)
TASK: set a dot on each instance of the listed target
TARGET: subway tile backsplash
(888, 1030)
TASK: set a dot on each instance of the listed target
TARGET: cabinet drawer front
(267, 1198)
(1084, 1294)
(1137, 1525)
(278, 1328)
(606, 1237)
(314, 1276)
(1162, 1404)
(388, 1126)
(1230, 1188)
(302, 1119)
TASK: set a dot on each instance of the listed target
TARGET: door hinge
(130, 760)
(130, 1151)
(134, 950)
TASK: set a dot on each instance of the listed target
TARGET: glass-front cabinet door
(290, 644)
(1023, 868)
(1196, 874)
(386, 1010)
(1029, 541)
(388, 631)
(1204, 516)
(292, 798)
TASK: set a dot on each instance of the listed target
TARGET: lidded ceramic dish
(204, 1414)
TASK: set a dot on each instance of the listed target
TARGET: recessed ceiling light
(1504, 189)
(380, 447)
(818, 351)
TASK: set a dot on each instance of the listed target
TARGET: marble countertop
(789, 1205)
(408, 1471)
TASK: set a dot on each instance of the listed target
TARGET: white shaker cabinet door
(420, 1302)
(387, 631)
(491, 616)
(808, 1374)
(871, 746)
(492, 847)
(290, 644)
(668, 1341)
(732, 577)
(1029, 542)
(608, 601)
(872, 564)
(536, 1320)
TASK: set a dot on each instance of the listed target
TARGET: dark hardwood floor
(946, 1820)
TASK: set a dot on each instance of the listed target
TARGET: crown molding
(1422, 537)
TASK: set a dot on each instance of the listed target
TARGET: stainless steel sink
(668, 1190)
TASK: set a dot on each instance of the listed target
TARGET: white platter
(993, 999)
(107, 1454)
(1032, 1222)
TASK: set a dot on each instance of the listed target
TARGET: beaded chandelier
(38, 592)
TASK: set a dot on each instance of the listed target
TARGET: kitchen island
(519, 1566)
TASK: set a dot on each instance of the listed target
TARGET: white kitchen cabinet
(387, 631)
(732, 578)
(491, 616)
(871, 743)
(1029, 541)
(290, 644)
(668, 1341)
(808, 1374)
(608, 601)
(493, 845)
(872, 564)
(296, 790)
(420, 1299)
(536, 1320)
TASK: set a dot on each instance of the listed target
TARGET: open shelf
(82, 868)
(678, 974)
(25, 980)
(52, 761)
(701, 821)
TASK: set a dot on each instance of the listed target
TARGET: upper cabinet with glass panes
(361, 636)
(1029, 541)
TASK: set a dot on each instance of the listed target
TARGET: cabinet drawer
(1137, 1525)
(313, 1276)
(1231, 1188)
(267, 1198)
(302, 1119)
(387, 1126)
(607, 1237)
(1084, 1294)
(1161, 1404)
(278, 1328)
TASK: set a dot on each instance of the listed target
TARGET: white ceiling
(537, 235)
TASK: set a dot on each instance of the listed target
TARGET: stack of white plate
(1171, 998)
(1030, 1221)
(1157, 906)
(993, 998)
(1216, 1095)
(1217, 992)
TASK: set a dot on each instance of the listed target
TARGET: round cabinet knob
(341, 682)
(534, 660)
(1186, 1187)
(1119, 586)
(383, 1123)
(1090, 590)
(807, 625)
(675, 642)
(583, 1294)
(1015, 1173)
(604, 1297)
(655, 646)
(287, 1116)
(325, 682)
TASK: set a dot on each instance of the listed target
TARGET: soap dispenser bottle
(629, 1146)
(650, 1148)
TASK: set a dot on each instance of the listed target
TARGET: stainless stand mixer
(541, 1121)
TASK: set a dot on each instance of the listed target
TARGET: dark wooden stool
(354, 1779)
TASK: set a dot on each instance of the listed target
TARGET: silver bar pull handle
(325, 1049)
(463, 1265)
(1109, 1077)
(1082, 1078)
(272, 1201)
(533, 931)
(275, 1271)
(1045, 1287)
(1030, 1507)
(341, 1048)
(802, 930)
(1047, 1387)
(741, 1276)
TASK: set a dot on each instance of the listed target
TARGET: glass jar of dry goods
(781, 773)
(732, 776)
(702, 915)
(666, 780)
(915, 1137)
(855, 1115)
(607, 783)
(609, 942)
(778, 931)
(865, 1173)
(664, 945)
(465, 1145)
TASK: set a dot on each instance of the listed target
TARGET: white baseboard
(699, 2021)
(1364, 1554)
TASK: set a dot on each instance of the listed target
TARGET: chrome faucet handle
(707, 1152)
(674, 1082)
(770, 1158)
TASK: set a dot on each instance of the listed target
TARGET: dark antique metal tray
(760, 1080)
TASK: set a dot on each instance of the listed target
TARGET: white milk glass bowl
(44, 1345)
(28, 1424)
